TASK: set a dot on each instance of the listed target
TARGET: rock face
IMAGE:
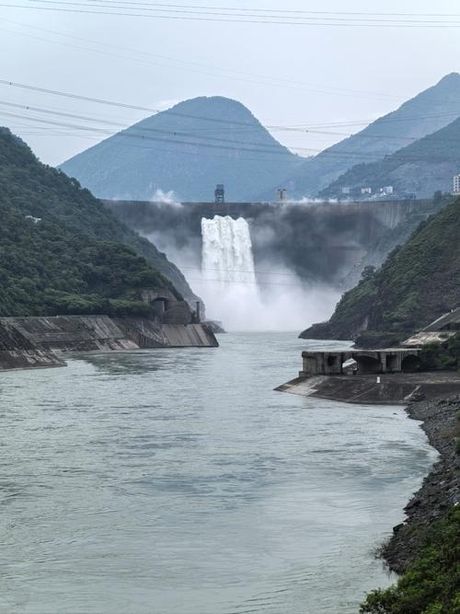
(188, 149)
(428, 112)
(441, 488)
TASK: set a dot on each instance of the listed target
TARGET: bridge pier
(391, 360)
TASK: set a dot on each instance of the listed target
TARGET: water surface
(179, 482)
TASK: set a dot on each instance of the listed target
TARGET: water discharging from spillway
(227, 252)
(228, 266)
(231, 292)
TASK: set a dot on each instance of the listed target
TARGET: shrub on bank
(445, 355)
(431, 585)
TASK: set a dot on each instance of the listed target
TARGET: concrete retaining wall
(72, 333)
(33, 342)
(18, 352)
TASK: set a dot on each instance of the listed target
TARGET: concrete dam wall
(327, 243)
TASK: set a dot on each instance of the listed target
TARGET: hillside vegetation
(417, 283)
(61, 251)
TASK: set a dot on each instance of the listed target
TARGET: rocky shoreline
(441, 488)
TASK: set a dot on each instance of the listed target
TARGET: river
(179, 482)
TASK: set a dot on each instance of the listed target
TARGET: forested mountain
(61, 251)
(188, 149)
(417, 283)
(428, 112)
(421, 168)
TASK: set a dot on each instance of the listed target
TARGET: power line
(360, 156)
(235, 12)
(194, 135)
(248, 283)
(254, 147)
(266, 10)
(112, 103)
(206, 141)
(142, 137)
(211, 119)
(257, 271)
(203, 16)
(247, 77)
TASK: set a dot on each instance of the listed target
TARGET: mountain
(428, 112)
(188, 149)
(418, 282)
(421, 168)
(62, 251)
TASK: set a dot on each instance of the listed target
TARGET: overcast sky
(287, 74)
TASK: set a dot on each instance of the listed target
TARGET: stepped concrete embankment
(18, 352)
(40, 341)
(385, 389)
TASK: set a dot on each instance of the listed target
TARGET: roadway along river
(178, 482)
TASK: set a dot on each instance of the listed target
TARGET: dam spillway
(227, 251)
(229, 285)
(325, 243)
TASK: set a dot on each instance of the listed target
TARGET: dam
(320, 243)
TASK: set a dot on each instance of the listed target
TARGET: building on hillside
(387, 190)
(456, 185)
(282, 193)
(366, 190)
(346, 190)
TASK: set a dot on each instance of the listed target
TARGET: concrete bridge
(391, 360)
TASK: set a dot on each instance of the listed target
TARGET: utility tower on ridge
(219, 193)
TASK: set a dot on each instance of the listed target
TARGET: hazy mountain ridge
(208, 140)
(421, 168)
(420, 116)
(188, 149)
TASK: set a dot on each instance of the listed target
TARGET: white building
(366, 190)
(456, 184)
(387, 190)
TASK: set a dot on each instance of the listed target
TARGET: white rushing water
(227, 252)
(233, 294)
(228, 272)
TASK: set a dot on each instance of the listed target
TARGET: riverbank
(425, 548)
(441, 488)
